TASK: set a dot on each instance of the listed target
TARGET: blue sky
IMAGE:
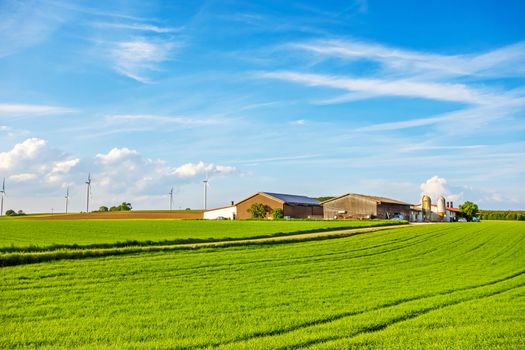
(314, 98)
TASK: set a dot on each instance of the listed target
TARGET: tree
(20, 213)
(125, 206)
(258, 210)
(469, 210)
(103, 209)
(278, 214)
(114, 208)
(10, 212)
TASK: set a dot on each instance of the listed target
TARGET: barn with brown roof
(293, 206)
(360, 206)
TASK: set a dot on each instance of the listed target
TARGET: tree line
(502, 215)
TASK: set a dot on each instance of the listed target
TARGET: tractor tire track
(342, 315)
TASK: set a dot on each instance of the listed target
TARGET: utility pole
(171, 198)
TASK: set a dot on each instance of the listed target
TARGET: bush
(468, 210)
(278, 214)
(259, 211)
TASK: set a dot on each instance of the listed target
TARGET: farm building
(229, 212)
(293, 206)
(359, 206)
(450, 214)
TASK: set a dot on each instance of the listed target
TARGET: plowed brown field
(183, 214)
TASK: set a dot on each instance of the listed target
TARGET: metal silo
(441, 207)
(426, 206)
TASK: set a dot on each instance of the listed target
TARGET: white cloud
(177, 120)
(116, 155)
(27, 23)
(23, 177)
(134, 58)
(65, 166)
(29, 149)
(32, 109)
(298, 122)
(191, 169)
(505, 61)
(138, 27)
(367, 88)
(435, 187)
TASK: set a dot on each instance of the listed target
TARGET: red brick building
(292, 205)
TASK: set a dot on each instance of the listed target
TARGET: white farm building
(229, 212)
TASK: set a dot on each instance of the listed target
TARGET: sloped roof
(286, 198)
(294, 199)
(376, 199)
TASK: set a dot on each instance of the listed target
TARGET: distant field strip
(427, 286)
(29, 235)
(33, 255)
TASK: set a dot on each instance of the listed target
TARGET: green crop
(39, 235)
(428, 286)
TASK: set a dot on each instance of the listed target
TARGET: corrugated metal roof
(291, 198)
(372, 198)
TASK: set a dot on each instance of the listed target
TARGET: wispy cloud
(135, 58)
(177, 120)
(143, 27)
(367, 88)
(298, 122)
(25, 24)
(13, 109)
(505, 61)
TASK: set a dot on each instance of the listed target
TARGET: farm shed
(360, 206)
(292, 205)
(229, 212)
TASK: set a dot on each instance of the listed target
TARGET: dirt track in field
(37, 257)
(121, 215)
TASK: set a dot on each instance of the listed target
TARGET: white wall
(228, 212)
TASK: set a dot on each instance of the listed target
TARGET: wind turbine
(3, 194)
(88, 183)
(171, 198)
(67, 197)
(205, 181)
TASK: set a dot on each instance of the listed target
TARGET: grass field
(429, 286)
(21, 234)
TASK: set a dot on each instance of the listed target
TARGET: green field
(22, 233)
(429, 286)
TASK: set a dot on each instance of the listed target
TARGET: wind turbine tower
(205, 193)
(171, 198)
(88, 183)
(3, 194)
(67, 198)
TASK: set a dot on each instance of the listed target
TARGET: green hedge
(502, 215)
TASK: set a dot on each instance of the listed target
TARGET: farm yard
(425, 286)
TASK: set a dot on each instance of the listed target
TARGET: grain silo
(441, 207)
(426, 206)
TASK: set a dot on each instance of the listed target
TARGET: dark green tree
(103, 209)
(125, 206)
(469, 210)
(10, 212)
(278, 214)
(258, 211)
